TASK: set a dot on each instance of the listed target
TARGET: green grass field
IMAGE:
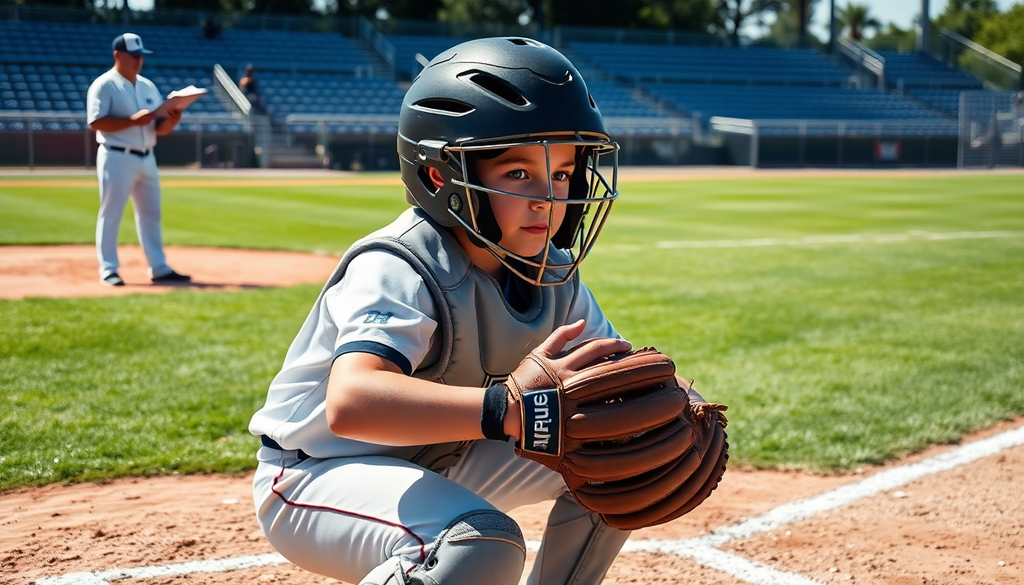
(830, 353)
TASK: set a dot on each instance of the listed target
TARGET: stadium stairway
(284, 154)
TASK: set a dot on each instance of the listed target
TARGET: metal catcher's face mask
(586, 208)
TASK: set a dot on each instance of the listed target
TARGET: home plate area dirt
(964, 525)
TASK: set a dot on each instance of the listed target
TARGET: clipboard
(181, 99)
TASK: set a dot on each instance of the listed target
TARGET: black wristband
(492, 418)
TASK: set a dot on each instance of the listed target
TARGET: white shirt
(113, 95)
(376, 283)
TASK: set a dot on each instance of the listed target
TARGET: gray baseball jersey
(407, 293)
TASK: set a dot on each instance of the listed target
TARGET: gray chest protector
(480, 337)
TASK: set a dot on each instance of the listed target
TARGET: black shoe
(112, 279)
(172, 277)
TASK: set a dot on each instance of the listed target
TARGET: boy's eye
(517, 174)
(561, 176)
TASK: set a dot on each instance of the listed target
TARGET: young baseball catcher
(454, 367)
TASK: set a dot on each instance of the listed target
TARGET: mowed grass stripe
(830, 356)
(835, 356)
(302, 219)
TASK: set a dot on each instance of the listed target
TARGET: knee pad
(484, 546)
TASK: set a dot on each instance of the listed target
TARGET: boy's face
(525, 224)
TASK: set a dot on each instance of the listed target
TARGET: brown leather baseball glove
(631, 443)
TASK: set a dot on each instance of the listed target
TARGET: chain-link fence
(991, 129)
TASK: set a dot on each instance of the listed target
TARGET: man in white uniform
(120, 108)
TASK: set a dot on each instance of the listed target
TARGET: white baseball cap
(130, 43)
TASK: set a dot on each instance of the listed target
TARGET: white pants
(121, 175)
(343, 517)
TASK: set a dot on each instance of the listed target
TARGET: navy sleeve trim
(377, 349)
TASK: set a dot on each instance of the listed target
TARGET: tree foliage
(892, 37)
(965, 17)
(857, 18)
(1004, 34)
(689, 15)
(731, 15)
(693, 15)
(469, 11)
(787, 30)
(246, 6)
(56, 3)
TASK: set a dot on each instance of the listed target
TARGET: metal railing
(228, 92)
(257, 126)
(628, 125)
(671, 133)
(34, 129)
(864, 59)
(996, 71)
(802, 131)
(373, 39)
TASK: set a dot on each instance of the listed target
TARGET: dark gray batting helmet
(482, 97)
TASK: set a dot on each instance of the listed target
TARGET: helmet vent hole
(524, 42)
(443, 106)
(591, 98)
(498, 87)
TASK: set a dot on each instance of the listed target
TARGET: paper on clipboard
(181, 99)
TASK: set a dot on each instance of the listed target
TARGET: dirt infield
(961, 525)
(71, 271)
(965, 525)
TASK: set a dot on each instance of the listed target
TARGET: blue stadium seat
(916, 70)
(54, 48)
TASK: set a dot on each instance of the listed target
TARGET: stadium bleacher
(944, 100)
(62, 89)
(48, 66)
(764, 83)
(653, 63)
(789, 102)
(920, 70)
(408, 46)
(89, 44)
(642, 90)
(930, 82)
(614, 99)
(289, 93)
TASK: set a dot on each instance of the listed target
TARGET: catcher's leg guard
(577, 548)
(484, 546)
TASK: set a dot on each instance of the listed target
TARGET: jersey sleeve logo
(378, 317)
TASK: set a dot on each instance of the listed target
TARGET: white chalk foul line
(703, 549)
(187, 568)
(879, 482)
(828, 239)
(709, 556)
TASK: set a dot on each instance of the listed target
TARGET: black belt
(268, 442)
(138, 153)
